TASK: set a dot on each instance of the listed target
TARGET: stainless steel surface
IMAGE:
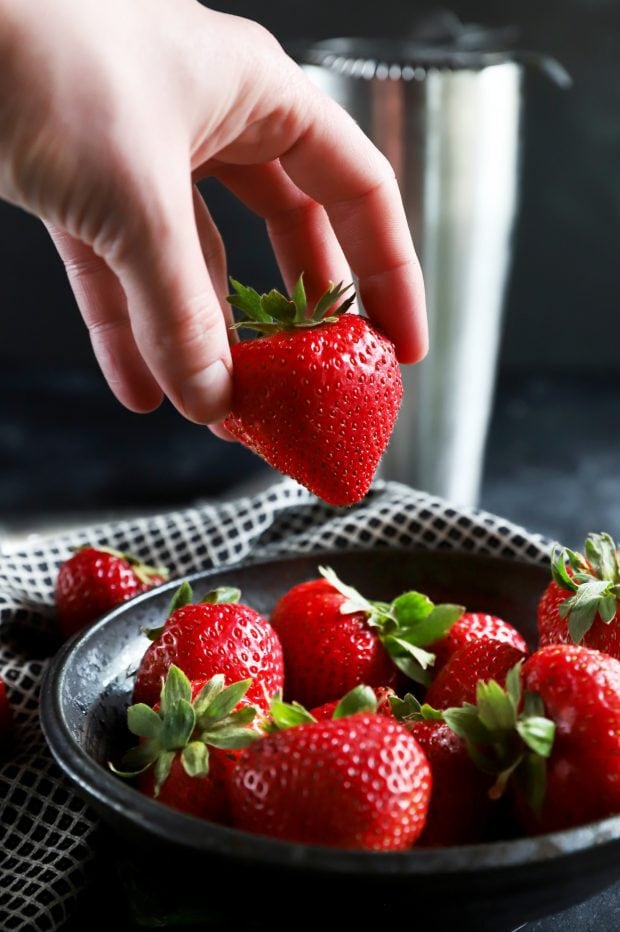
(451, 133)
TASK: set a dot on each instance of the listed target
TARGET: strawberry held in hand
(216, 635)
(357, 781)
(97, 579)
(333, 638)
(580, 605)
(317, 394)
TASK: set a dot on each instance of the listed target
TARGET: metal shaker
(448, 118)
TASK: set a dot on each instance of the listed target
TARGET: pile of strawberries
(377, 725)
(365, 724)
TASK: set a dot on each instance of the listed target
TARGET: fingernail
(206, 397)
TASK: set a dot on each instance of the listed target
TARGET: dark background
(66, 446)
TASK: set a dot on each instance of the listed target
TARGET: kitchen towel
(46, 830)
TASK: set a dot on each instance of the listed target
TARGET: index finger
(338, 166)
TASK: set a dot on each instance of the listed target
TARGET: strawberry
(97, 579)
(358, 781)
(461, 810)
(216, 635)
(381, 705)
(317, 394)
(581, 603)
(469, 627)
(333, 638)
(6, 716)
(477, 660)
(553, 736)
(189, 743)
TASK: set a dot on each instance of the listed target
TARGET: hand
(111, 110)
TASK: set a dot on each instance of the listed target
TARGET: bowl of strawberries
(373, 735)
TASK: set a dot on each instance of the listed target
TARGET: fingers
(173, 304)
(102, 303)
(299, 228)
(336, 165)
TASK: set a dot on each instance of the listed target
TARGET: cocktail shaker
(445, 108)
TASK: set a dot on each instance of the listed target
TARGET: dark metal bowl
(493, 886)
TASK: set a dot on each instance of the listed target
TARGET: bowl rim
(110, 794)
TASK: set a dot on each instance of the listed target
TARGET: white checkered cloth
(46, 831)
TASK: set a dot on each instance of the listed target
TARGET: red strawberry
(580, 691)
(190, 742)
(558, 744)
(214, 637)
(333, 638)
(97, 579)
(317, 394)
(469, 627)
(382, 696)
(477, 660)
(461, 810)
(360, 781)
(581, 603)
(6, 716)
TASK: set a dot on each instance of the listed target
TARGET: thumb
(176, 317)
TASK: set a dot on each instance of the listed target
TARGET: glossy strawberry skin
(91, 583)
(359, 782)
(580, 689)
(460, 810)
(553, 629)
(318, 404)
(327, 653)
(480, 659)
(207, 639)
(470, 627)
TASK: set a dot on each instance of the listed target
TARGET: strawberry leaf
(533, 778)
(278, 308)
(225, 702)
(331, 296)
(410, 608)
(231, 737)
(355, 602)
(409, 709)
(195, 759)
(175, 688)
(581, 608)
(600, 551)
(496, 708)
(161, 770)
(465, 722)
(299, 300)
(223, 595)
(538, 733)
(559, 573)
(412, 669)
(138, 759)
(178, 725)
(207, 694)
(143, 721)
(436, 624)
(399, 645)
(289, 714)
(182, 597)
(359, 699)
(249, 301)
(513, 684)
